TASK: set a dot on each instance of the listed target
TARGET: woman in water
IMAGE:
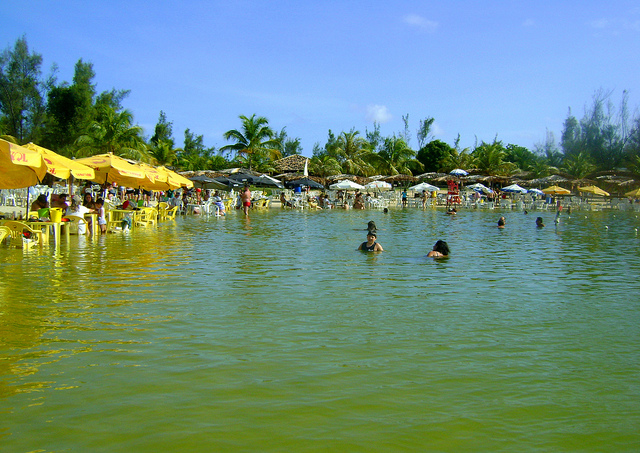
(539, 222)
(440, 250)
(371, 245)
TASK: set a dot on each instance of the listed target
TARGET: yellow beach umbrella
(634, 193)
(556, 190)
(594, 190)
(177, 180)
(156, 178)
(20, 167)
(60, 166)
(110, 168)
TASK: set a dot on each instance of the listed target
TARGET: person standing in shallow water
(370, 245)
(502, 222)
(245, 197)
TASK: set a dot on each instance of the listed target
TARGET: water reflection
(277, 325)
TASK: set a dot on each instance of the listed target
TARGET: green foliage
(433, 154)
(23, 92)
(113, 132)
(633, 164)
(602, 134)
(74, 120)
(571, 136)
(457, 158)
(70, 110)
(163, 131)
(352, 152)
(395, 157)
(490, 158)
(163, 153)
(255, 144)
(549, 151)
(324, 165)
(578, 165)
(375, 138)
(424, 131)
(112, 98)
(524, 159)
(288, 146)
(195, 156)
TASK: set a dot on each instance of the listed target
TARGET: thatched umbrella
(399, 179)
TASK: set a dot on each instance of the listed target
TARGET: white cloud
(600, 23)
(420, 22)
(378, 113)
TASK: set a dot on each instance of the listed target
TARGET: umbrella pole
(26, 209)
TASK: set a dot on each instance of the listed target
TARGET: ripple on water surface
(272, 332)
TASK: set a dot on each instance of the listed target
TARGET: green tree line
(73, 119)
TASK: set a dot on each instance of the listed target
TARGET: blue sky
(480, 68)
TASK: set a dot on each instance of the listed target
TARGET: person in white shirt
(77, 209)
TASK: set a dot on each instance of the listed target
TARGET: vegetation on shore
(75, 120)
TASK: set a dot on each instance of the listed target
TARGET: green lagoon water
(274, 334)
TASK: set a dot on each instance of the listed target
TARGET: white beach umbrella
(458, 172)
(480, 187)
(346, 185)
(536, 191)
(378, 185)
(424, 186)
(514, 188)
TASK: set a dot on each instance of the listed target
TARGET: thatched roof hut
(400, 179)
(284, 177)
(290, 164)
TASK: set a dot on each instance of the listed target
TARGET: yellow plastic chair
(171, 213)
(5, 233)
(74, 221)
(147, 216)
(20, 230)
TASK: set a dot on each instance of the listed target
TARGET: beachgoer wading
(371, 245)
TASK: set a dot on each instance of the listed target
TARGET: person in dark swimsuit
(371, 245)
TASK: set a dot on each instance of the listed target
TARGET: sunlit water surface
(274, 334)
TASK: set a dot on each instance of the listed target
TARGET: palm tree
(163, 153)
(255, 143)
(490, 159)
(350, 151)
(113, 132)
(578, 165)
(324, 166)
(457, 159)
(395, 157)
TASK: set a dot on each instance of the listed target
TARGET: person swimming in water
(502, 222)
(539, 222)
(440, 250)
(371, 226)
(370, 245)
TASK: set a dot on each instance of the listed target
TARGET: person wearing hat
(371, 245)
